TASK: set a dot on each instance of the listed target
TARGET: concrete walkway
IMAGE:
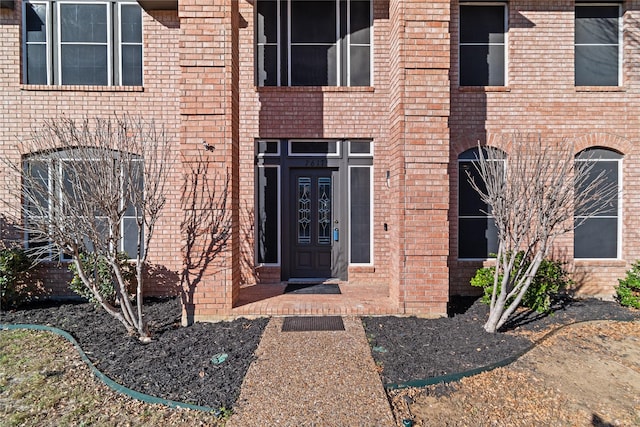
(313, 379)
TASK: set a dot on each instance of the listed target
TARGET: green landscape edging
(106, 380)
(457, 376)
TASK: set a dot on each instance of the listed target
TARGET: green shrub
(14, 263)
(628, 289)
(548, 281)
(100, 272)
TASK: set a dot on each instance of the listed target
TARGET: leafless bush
(532, 198)
(94, 187)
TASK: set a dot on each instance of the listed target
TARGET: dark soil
(176, 365)
(410, 349)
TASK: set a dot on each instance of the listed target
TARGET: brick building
(337, 131)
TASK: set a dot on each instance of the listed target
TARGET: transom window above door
(313, 42)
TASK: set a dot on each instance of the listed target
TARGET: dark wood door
(314, 225)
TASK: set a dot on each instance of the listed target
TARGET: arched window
(477, 233)
(597, 233)
(59, 197)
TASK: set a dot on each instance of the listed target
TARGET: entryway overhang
(158, 4)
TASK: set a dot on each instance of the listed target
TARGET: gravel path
(313, 379)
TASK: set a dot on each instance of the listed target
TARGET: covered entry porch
(354, 299)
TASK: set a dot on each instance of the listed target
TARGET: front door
(314, 228)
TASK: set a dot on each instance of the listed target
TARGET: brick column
(420, 132)
(209, 154)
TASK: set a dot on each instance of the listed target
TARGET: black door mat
(312, 288)
(312, 323)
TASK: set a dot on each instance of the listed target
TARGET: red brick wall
(541, 97)
(209, 115)
(199, 82)
(414, 272)
(306, 112)
(423, 143)
(24, 106)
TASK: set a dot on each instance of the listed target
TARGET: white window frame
(54, 194)
(121, 43)
(337, 43)
(60, 43)
(349, 44)
(369, 154)
(260, 154)
(371, 212)
(505, 44)
(504, 161)
(279, 219)
(620, 207)
(339, 82)
(620, 38)
(47, 41)
(54, 44)
(334, 154)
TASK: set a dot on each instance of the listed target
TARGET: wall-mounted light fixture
(388, 182)
(207, 146)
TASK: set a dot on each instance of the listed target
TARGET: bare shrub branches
(531, 194)
(95, 186)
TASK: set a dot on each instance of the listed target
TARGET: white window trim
(279, 219)
(54, 44)
(339, 45)
(47, 42)
(369, 154)
(328, 155)
(290, 44)
(349, 45)
(54, 195)
(339, 82)
(488, 258)
(371, 211)
(262, 155)
(109, 45)
(619, 213)
(620, 38)
(505, 7)
(279, 42)
(121, 43)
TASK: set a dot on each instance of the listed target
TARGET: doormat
(312, 323)
(312, 288)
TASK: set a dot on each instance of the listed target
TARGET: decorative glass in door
(312, 222)
(324, 211)
(304, 210)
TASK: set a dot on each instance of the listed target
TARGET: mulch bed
(411, 349)
(177, 365)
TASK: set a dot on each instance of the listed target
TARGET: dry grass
(43, 382)
(585, 375)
